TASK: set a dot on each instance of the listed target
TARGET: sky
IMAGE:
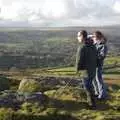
(59, 13)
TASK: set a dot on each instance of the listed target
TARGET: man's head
(82, 36)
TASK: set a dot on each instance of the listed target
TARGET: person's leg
(95, 85)
(89, 87)
(101, 85)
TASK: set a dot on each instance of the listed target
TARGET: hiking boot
(103, 98)
(96, 96)
(92, 107)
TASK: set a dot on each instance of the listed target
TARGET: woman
(100, 43)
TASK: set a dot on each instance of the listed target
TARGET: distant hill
(59, 28)
(35, 46)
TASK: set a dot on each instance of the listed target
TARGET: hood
(89, 41)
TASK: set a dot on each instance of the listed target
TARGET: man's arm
(80, 59)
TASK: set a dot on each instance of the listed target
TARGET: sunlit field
(47, 65)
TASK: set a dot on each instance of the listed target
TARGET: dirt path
(112, 81)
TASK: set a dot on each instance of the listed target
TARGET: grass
(67, 105)
(69, 102)
(111, 70)
(112, 60)
(108, 74)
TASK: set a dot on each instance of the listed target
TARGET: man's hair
(84, 33)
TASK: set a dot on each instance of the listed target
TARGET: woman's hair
(100, 36)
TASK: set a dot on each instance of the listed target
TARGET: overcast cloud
(52, 13)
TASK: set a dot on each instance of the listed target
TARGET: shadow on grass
(74, 105)
(55, 117)
(59, 117)
(18, 116)
(114, 87)
(68, 105)
(102, 105)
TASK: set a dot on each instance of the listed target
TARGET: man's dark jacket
(86, 56)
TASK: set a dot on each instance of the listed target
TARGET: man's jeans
(89, 86)
(99, 86)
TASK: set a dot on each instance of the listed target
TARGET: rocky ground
(57, 95)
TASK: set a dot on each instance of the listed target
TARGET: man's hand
(77, 72)
(81, 73)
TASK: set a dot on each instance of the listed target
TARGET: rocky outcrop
(47, 83)
(14, 99)
(59, 81)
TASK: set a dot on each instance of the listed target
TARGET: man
(87, 60)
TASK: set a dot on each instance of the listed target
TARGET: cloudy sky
(52, 13)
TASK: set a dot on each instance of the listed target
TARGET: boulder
(36, 97)
(29, 85)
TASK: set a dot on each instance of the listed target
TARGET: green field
(49, 55)
(74, 103)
